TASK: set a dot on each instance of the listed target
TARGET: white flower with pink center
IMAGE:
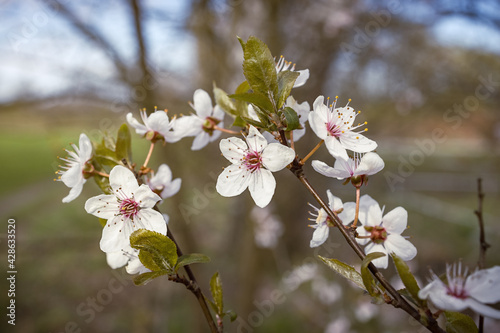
(461, 291)
(129, 208)
(366, 165)
(252, 165)
(156, 126)
(336, 127)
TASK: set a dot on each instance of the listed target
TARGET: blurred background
(426, 75)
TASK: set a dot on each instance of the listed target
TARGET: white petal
(370, 213)
(145, 197)
(85, 148)
(326, 170)
(232, 181)
(320, 235)
(188, 126)
(122, 179)
(347, 215)
(202, 103)
(317, 124)
(398, 245)
(277, 156)
(381, 262)
(363, 233)
(114, 237)
(74, 192)
(334, 202)
(261, 186)
(163, 175)
(436, 291)
(370, 164)
(482, 309)
(357, 142)
(152, 220)
(219, 114)
(335, 148)
(200, 141)
(484, 285)
(302, 78)
(172, 188)
(395, 221)
(103, 206)
(73, 175)
(234, 149)
(116, 259)
(256, 141)
(139, 128)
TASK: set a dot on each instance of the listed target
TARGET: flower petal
(347, 215)
(398, 245)
(482, 309)
(117, 259)
(381, 262)
(320, 235)
(103, 206)
(85, 148)
(188, 126)
(395, 221)
(370, 164)
(326, 170)
(200, 141)
(139, 128)
(234, 149)
(122, 179)
(152, 220)
(484, 285)
(334, 202)
(357, 142)
(262, 185)
(172, 188)
(335, 148)
(302, 78)
(256, 141)
(202, 103)
(277, 156)
(370, 214)
(114, 236)
(145, 197)
(232, 181)
(436, 291)
(75, 191)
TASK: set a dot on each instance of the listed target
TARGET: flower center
(333, 129)
(129, 208)
(456, 282)
(378, 234)
(209, 125)
(253, 161)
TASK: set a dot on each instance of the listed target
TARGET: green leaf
(243, 88)
(224, 102)
(292, 119)
(123, 148)
(160, 249)
(217, 295)
(259, 67)
(239, 122)
(367, 276)
(193, 258)
(407, 277)
(286, 80)
(256, 98)
(232, 315)
(103, 183)
(345, 270)
(145, 278)
(457, 322)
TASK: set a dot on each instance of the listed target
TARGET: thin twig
(302, 161)
(483, 245)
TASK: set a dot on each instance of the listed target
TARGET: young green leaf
(457, 322)
(286, 80)
(224, 102)
(407, 277)
(259, 67)
(160, 249)
(367, 276)
(123, 148)
(345, 270)
(145, 278)
(292, 119)
(193, 258)
(256, 98)
(217, 295)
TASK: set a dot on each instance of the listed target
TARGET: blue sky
(41, 54)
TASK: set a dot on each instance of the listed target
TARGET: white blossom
(383, 233)
(162, 184)
(72, 174)
(336, 127)
(129, 208)
(367, 165)
(156, 126)
(252, 165)
(461, 290)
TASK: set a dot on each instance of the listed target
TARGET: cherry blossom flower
(383, 234)
(335, 126)
(345, 212)
(283, 65)
(127, 256)
(129, 208)
(461, 291)
(156, 126)
(252, 165)
(362, 167)
(162, 184)
(73, 173)
(202, 124)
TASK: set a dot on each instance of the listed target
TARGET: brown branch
(483, 245)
